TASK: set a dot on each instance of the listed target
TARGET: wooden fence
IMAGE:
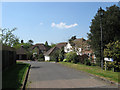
(8, 56)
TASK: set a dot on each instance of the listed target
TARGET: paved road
(53, 75)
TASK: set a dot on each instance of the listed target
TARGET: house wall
(68, 48)
(78, 51)
(47, 58)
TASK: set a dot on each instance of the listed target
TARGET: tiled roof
(49, 52)
(80, 42)
(40, 46)
(60, 45)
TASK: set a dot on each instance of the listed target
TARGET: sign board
(108, 59)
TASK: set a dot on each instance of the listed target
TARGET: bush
(41, 57)
(71, 56)
(54, 56)
(93, 64)
(87, 62)
(64, 60)
(113, 65)
(61, 54)
(82, 58)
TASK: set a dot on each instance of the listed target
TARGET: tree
(46, 44)
(61, 54)
(25, 45)
(30, 42)
(110, 26)
(52, 45)
(22, 41)
(55, 55)
(113, 51)
(8, 38)
(41, 57)
(72, 38)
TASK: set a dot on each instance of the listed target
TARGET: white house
(47, 58)
(68, 48)
(81, 47)
(49, 53)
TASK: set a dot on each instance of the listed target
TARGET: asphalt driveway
(54, 75)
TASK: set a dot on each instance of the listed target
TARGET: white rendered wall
(47, 58)
(68, 48)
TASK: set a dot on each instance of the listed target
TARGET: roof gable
(52, 50)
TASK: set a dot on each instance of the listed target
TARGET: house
(80, 46)
(75, 45)
(21, 53)
(40, 48)
(48, 54)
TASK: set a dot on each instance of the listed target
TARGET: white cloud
(41, 23)
(63, 25)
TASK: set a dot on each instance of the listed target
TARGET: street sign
(108, 59)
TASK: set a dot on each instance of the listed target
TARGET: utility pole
(101, 14)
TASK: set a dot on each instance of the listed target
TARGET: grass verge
(14, 76)
(95, 70)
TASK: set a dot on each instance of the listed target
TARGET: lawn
(14, 76)
(95, 70)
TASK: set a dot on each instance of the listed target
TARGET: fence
(8, 56)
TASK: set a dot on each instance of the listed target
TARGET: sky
(54, 22)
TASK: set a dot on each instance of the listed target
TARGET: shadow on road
(35, 67)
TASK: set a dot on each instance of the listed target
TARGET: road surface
(54, 75)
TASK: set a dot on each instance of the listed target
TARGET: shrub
(54, 56)
(82, 58)
(41, 57)
(113, 65)
(93, 64)
(61, 54)
(87, 62)
(112, 50)
(71, 56)
(64, 60)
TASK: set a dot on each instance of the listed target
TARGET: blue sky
(50, 21)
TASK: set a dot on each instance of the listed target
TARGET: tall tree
(72, 38)
(8, 38)
(22, 41)
(30, 42)
(110, 26)
(52, 45)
